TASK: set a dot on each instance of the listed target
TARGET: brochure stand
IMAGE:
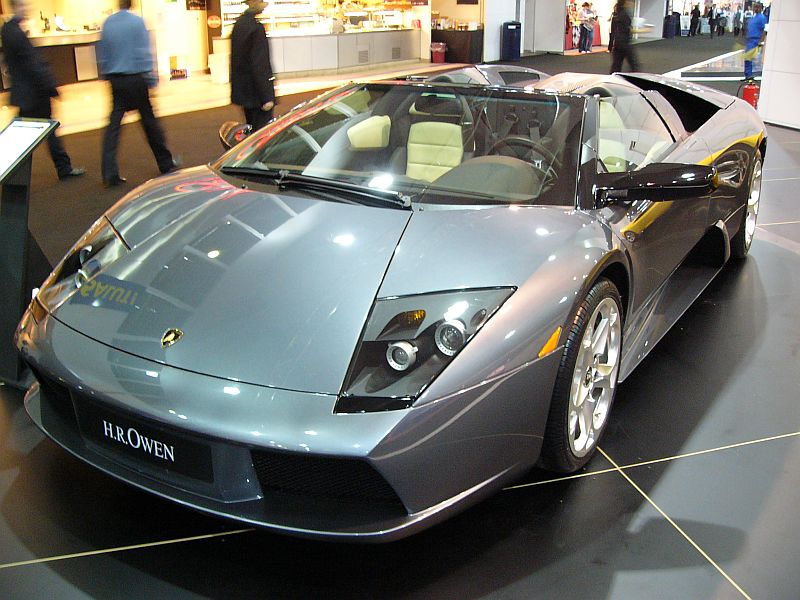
(17, 143)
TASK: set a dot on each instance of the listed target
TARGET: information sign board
(18, 139)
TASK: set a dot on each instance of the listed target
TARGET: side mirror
(231, 133)
(657, 181)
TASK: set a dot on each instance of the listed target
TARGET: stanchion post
(17, 143)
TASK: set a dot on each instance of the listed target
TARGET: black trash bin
(669, 27)
(511, 40)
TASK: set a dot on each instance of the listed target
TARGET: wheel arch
(614, 267)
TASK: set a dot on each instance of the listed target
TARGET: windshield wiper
(284, 179)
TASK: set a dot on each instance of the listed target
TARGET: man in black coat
(252, 82)
(621, 29)
(32, 83)
(695, 20)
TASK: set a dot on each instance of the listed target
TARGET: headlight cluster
(98, 248)
(408, 341)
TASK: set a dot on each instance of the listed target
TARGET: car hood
(266, 288)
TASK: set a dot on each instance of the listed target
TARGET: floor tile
(51, 503)
(589, 538)
(723, 374)
(740, 506)
(787, 231)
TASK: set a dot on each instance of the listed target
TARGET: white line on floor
(782, 179)
(123, 548)
(713, 79)
(779, 223)
(677, 72)
(778, 240)
(658, 460)
(669, 519)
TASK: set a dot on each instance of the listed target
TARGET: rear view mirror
(231, 133)
(657, 181)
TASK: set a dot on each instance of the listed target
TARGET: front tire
(586, 381)
(741, 242)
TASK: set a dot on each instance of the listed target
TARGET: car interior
(460, 142)
(626, 140)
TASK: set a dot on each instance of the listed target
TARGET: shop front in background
(308, 36)
(459, 25)
(66, 31)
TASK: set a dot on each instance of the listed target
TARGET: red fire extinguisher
(750, 92)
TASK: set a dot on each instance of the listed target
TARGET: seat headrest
(437, 106)
(371, 133)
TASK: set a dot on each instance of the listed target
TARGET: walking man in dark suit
(694, 23)
(252, 82)
(126, 60)
(32, 83)
(712, 20)
(621, 26)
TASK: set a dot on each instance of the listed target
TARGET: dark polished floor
(693, 495)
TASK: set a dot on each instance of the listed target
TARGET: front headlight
(98, 248)
(408, 341)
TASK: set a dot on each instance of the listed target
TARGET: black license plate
(144, 443)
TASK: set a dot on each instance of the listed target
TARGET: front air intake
(324, 478)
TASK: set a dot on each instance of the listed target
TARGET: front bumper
(282, 459)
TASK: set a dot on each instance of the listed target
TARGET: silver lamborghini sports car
(393, 300)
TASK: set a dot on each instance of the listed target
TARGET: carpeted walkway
(61, 211)
(659, 56)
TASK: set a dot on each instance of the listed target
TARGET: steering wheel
(526, 149)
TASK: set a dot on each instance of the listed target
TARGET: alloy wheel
(753, 201)
(594, 377)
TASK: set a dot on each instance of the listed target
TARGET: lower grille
(59, 396)
(340, 479)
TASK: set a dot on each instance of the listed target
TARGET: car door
(658, 235)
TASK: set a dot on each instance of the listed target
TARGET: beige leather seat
(433, 148)
(610, 147)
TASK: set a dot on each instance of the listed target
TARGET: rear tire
(741, 242)
(586, 381)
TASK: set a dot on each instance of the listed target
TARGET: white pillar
(780, 82)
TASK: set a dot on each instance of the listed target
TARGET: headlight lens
(98, 248)
(408, 341)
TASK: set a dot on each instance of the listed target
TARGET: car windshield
(433, 143)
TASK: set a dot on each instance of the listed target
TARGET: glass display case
(278, 15)
(298, 17)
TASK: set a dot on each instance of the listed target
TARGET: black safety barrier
(22, 264)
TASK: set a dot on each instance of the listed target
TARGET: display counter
(71, 54)
(64, 38)
(332, 51)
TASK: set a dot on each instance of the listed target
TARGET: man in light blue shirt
(126, 61)
(755, 34)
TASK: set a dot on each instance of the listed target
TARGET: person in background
(573, 23)
(694, 23)
(621, 30)
(754, 37)
(126, 61)
(611, 31)
(722, 21)
(33, 83)
(712, 20)
(588, 18)
(737, 21)
(252, 82)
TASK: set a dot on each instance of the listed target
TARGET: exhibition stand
(17, 143)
